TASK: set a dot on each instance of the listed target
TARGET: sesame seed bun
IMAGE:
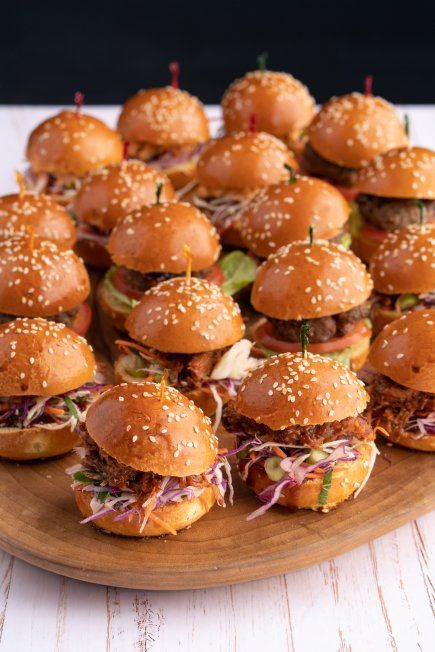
(283, 213)
(405, 261)
(170, 437)
(242, 161)
(301, 281)
(281, 104)
(352, 129)
(40, 281)
(37, 442)
(163, 116)
(405, 173)
(346, 478)
(45, 217)
(109, 194)
(153, 238)
(42, 358)
(404, 351)
(178, 316)
(282, 392)
(68, 144)
(404, 438)
(176, 515)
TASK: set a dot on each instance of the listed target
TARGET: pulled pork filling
(390, 214)
(66, 318)
(401, 410)
(317, 166)
(161, 158)
(399, 303)
(63, 188)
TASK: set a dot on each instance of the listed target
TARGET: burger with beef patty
(231, 170)
(190, 328)
(39, 280)
(284, 212)
(167, 128)
(390, 190)
(64, 148)
(300, 437)
(402, 401)
(107, 196)
(150, 462)
(46, 385)
(403, 273)
(321, 282)
(346, 134)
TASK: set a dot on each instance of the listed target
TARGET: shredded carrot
(222, 451)
(54, 410)
(252, 455)
(126, 346)
(278, 451)
(162, 524)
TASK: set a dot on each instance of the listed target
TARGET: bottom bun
(176, 515)
(358, 358)
(346, 478)
(114, 310)
(381, 317)
(364, 246)
(426, 443)
(93, 253)
(35, 443)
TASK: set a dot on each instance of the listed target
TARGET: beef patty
(389, 214)
(317, 166)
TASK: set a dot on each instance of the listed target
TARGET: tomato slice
(371, 232)
(264, 334)
(214, 275)
(82, 320)
(121, 285)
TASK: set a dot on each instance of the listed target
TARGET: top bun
(301, 281)
(243, 161)
(404, 350)
(40, 280)
(352, 129)
(70, 144)
(42, 358)
(181, 316)
(283, 213)
(166, 117)
(109, 194)
(152, 240)
(407, 173)
(289, 389)
(47, 219)
(168, 437)
(405, 261)
(280, 103)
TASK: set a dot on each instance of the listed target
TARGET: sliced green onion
(71, 407)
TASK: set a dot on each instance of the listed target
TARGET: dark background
(109, 50)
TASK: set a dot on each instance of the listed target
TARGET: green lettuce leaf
(239, 270)
(120, 297)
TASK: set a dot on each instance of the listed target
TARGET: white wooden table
(378, 597)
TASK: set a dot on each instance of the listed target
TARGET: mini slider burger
(150, 462)
(193, 330)
(390, 190)
(281, 104)
(346, 134)
(46, 385)
(284, 212)
(402, 402)
(301, 440)
(167, 128)
(64, 148)
(231, 170)
(39, 280)
(321, 282)
(108, 195)
(403, 273)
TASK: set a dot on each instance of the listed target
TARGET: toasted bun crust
(364, 246)
(169, 437)
(153, 238)
(352, 129)
(47, 219)
(406, 439)
(405, 261)
(283, 213)
(107, 195)
(35, 443)
(280, 103)
(301, 281)
(346, 478)
(404, 350)
(42, 358)
(114, 310)
(177, 515)
(178, 316)
(406, 173)
(243, 160)
(67, 144)
(289, 389)
(360, 356)
(93, 253)
(164, 116)
(50, 281)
